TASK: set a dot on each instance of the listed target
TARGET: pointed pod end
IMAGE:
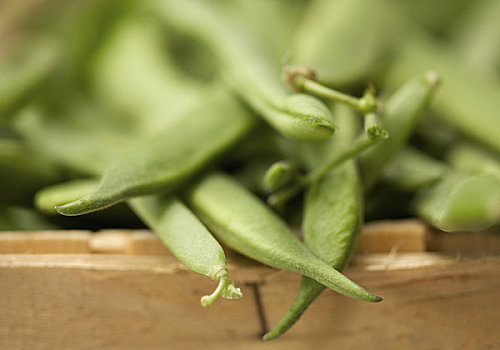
(271, 335)
(72, 208)
(377, 299)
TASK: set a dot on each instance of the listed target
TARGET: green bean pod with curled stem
(248, 70)
(372, 135)
(171, 221)
(333, 215)
(188, 240)
(244, 223)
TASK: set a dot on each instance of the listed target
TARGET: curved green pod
(473, 159)
(244, 223)
(166, 160)
(446, 198)
(476, 36)
(248, 70)
(467, 101)
(345, 42)
(460, 202)
(333, 216)
(399, 117)
(135, 75)
(187, 238)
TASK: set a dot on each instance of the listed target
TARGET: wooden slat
(377, 237)
(45, 242)
(150, 302)
(394, 235)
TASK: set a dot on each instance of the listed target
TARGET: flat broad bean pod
(165, 160)
(467, 102)
(134, 74)
(248, 71)
(241, 221)
(345, 42)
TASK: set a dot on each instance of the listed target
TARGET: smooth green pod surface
(333, 215)
(467, 101)
(135, 75)
(187, 238)
(461, 203)
(248, 70)
(399, 118)
(476, 35)
(165, 160)
(473, 159)
(345, 41)
(244, 223)
(445, 198)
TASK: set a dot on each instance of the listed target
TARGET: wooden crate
(123, 290)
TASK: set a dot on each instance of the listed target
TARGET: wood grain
(123, 290)
(152, 302)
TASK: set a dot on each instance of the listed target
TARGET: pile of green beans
(237, 121)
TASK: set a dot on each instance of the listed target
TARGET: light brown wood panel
(152, 302)
(45, 242)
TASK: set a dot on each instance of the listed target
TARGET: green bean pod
(399, 117)
(467, 101)
(447, 199)
(188, 240)
(476, 36)
(248, 70)
(135, 75)
(470, 158)
(345, 41)
(244, 223)
(333, 215)
(460, 202)
(165, 160)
